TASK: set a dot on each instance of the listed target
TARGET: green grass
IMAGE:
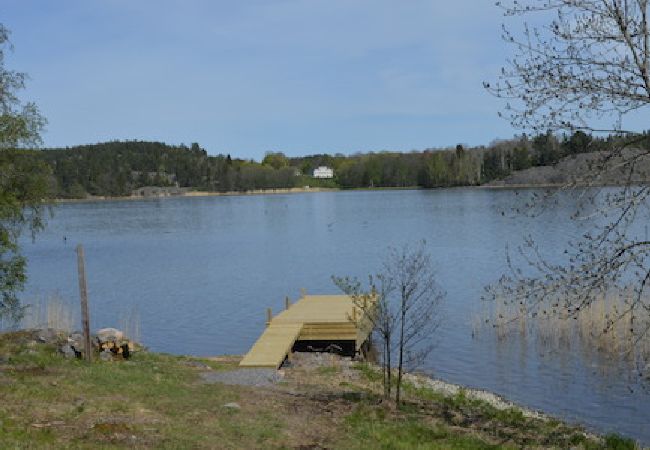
(158, 401)
(306, 180)
(152, 400)
(369, 372)
(370, 425)
(617, 442)
(328, 370)
(510, 424)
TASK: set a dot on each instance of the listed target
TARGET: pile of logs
(111, 343)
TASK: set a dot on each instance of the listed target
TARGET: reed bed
(50, 311)
(130, 324)
(611, 326)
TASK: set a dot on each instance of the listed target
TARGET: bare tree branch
(403, 303)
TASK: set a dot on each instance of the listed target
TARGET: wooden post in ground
(83, 294)
(287, 302)
(269, 316)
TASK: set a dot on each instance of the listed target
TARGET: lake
(202, 271)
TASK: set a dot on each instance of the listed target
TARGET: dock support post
(287, 302)
(269, 316)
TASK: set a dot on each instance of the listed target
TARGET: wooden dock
(323, 318)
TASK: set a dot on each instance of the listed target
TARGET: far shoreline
(194, 194)
(303, 190)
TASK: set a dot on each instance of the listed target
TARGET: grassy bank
(163, 401)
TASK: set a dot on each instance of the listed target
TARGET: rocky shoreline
(346, 366)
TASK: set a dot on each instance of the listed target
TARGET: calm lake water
(202, 271)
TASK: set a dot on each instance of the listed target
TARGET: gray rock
(256, 377)
(76, 340)
(48, 336)
(232, 405)
(110, 335)
(67, 351)
(106, 356)
(197, 364)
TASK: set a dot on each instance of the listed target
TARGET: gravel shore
(259, 377)
(243, 377)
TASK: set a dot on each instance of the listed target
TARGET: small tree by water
(402, 302)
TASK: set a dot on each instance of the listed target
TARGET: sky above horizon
(298, 76)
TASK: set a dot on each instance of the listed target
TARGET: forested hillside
(117, 168)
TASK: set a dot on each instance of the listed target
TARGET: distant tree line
(119, 167)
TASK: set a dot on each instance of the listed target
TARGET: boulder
(110, 335)
(48, 336)
(76, 340)
(68, 351)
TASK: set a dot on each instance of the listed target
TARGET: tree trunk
(401, 355)
(387, 386)
(384, 373)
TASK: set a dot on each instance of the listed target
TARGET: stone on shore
(110, 334)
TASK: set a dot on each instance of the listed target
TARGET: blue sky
(246, 77)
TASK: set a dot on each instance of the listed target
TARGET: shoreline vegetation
(120, 169)
(195, 194)
(307, 190)
(167, 401)
(604, 331)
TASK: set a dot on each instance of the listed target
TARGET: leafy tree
(23, 181)
(119, 167)
(437, 170)
(520, 159)
(277, 160)
(546, 149)
(579, 142)
(494, 165)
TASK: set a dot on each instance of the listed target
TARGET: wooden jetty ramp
(317, 319)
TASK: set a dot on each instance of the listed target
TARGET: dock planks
(312, 318)
(273, 346)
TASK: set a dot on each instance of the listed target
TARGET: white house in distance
(323, 172)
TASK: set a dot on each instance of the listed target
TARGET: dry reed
(50, 311)
(612, 325)
(130, 324)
